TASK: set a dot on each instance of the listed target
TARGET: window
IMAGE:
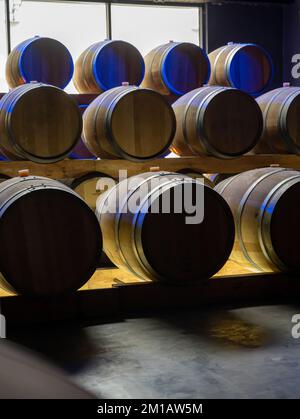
(76, 25)
(149, 26)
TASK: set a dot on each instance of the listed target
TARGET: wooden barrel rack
(111, 292)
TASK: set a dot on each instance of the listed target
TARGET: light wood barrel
(197, 175)
(266, 205)
(80, 152)
(128, 122)
(90, 186)
(281, 110)
(248, 67)
(155, 241)
(51, 240)
(107, 64)
(219, 121)
(39, 59)
(176, 68)
(38, 122)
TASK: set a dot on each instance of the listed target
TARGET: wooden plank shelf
(114, 293)
(75, 168)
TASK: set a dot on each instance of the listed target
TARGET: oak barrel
(90, 186)
(107, 64)
(51, 240)
(248, 67)
(220, 121)
(128, 122)
(38, 122)
(80, 151)
(146, 230)
(216, 178)
(41, 59)
(281, 110)
(176, 68)
(195, 174)
(266, 204)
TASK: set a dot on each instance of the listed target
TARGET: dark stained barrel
(39, 59)
(215, 120)
(281, 110)
(248, 67)
(158, 242)
(38, 122)
(129, 122)
(176, 68)
(265, 204)
(51, 240)
(107, 64)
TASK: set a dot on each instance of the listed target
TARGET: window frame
(202, 14)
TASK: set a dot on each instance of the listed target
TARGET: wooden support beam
(204, 164)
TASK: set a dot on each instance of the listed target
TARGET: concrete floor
(223, 353)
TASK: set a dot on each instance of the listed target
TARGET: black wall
(262, 24)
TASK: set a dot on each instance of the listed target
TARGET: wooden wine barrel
(38, 122)
(248, 67)
(194, 174)
(176, 68)
(156, 241)
(128, 122)
(216, 178)
(90, 186)
(281, 110)
(266, 204)
(107, 64)
(50, 239)
(39, 59)
(220, 121)
(80, 151)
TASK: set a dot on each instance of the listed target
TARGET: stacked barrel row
(255, 211)
(138, 124)
(42, 123)
(52, 240)
(174, 68)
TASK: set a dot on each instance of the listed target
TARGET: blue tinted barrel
(176, 68)
(248, 67)
(106, 65)
(39, 59)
